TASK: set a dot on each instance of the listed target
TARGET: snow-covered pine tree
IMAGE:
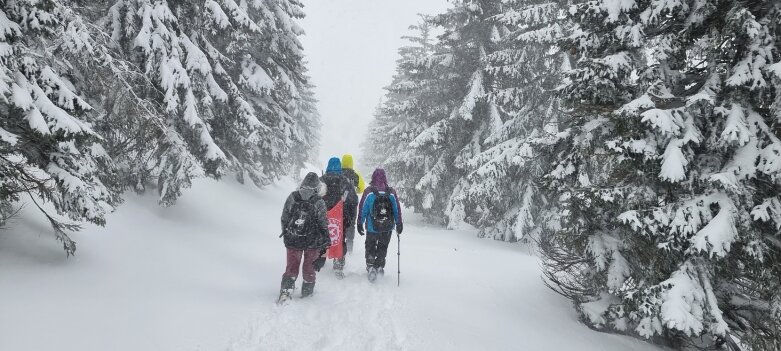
(504, 186)
(412, 103)
(373, 152)
(444, 115)
(218, 79)
(468, 39)
(48, 150)
(306, 143)
(670, 173)
(270, 72)
(402, 109)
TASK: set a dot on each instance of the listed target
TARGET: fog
(351, 46)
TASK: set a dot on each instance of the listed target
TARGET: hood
(379, 180)
(347, 161)
(334, 166)
(310, 186)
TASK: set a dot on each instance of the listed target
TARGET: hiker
(305, 232)
(357, 181)
(380, 211)
(339, 189)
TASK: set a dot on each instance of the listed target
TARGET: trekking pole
(398, 260)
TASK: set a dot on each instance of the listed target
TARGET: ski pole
(398, 260)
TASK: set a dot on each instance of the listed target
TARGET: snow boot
(285, 295)
(307, 289)
(339, 268)
(286, 291)
(372, 274)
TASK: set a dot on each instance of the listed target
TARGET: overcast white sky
(351, 46)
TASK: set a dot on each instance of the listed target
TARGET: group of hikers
(319, 222)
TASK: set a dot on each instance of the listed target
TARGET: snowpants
(294, 261)
(377, 248)
(349, 234)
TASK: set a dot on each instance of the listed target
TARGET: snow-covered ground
(203, 275)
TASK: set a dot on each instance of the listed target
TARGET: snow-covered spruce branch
(60, 228)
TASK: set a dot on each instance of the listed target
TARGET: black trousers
(377, 248)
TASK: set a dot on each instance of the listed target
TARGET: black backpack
(302, 221)
(382, 212)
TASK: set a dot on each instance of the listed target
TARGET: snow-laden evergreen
(440, 111)
(414, 103)
(504, 198)
(638, 141)
(306, 133)
(105, 96)
(226, 77)
(48, 149)
(668, 179)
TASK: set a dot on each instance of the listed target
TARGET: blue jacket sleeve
(369, 200)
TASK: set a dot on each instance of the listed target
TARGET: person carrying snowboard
(340, 193)
(380, 213)
(305, 233)
(357, 181)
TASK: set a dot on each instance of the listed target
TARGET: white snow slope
(204, 275)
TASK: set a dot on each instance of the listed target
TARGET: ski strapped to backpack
(302, 218)
(382, 217)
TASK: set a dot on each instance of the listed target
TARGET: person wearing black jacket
(305, 233)
(339, 188)
(349, 172)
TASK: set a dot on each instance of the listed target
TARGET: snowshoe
(381, 271)
(339, 274)
(285, 295)
(372, 274)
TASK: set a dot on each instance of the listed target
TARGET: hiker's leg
(291, 271)
(383, 239)
(371, 249)
(310, 256)
(339, 262)
(293, 263)
(350, 236)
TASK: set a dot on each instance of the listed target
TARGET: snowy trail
(204, 275)
(357, 316)
(457, 293)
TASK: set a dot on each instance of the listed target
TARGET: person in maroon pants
(305, 233)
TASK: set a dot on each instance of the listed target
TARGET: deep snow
(203, 275)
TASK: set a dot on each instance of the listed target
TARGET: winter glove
(360, 229)
(319, 263)
(399, 228)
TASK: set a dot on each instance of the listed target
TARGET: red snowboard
(336, 231)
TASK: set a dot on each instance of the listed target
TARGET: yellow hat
(347, 161)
